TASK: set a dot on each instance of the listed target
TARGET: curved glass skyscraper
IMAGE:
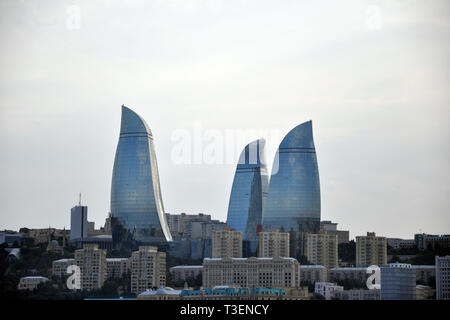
(249, 190)
(135, 191)
(293, 201)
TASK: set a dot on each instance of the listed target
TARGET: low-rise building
(348, 273)
(424, 292)
(424, 273)
(251, 272)
(238, 293)
(327, 289)
(313, 273)
(431, 241)
(182, 273)
(10, 238)
(163, 293)
(397, 243)
(357, 294)
(59, 267)
(398, 282)
(30, 283)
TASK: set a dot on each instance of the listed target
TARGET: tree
(347, 252)
(349, 284)
(309, 284)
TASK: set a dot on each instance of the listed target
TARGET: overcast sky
(373, 76)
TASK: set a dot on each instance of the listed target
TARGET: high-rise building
(116, 268)
(331, 228)
(178, 223)
(273, 244)
(293, 201)
(398, 282)
(148, 269)
(135, 190)
(442, 278)
(321, 248)
(92, 263)
(249, 190)
(78, 222)
(371, 250)
(226, 243)
(251, 272)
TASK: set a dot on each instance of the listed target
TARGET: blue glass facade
(135, 191)
(249, 190)
(293, 201)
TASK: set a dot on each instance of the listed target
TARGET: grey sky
(372, 75)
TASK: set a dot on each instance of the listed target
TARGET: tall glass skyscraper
(135, 191)
(293, 201)
(249, 190)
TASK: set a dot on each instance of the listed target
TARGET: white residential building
(30, 283)
(327, 289)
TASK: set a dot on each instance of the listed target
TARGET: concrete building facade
(92, 263)
(371, 250)
(148, 269)
(226, 243)
(117, 267)
(251, 272)
(327, 289)
(178, 273)
(321, 248)
(273, 244)
(59, 267)
(313, 273)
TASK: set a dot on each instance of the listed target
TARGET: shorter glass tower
(249, 190)
(293, 201)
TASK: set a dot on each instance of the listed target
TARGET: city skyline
(375, 89)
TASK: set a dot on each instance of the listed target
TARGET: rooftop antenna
(79, 203)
